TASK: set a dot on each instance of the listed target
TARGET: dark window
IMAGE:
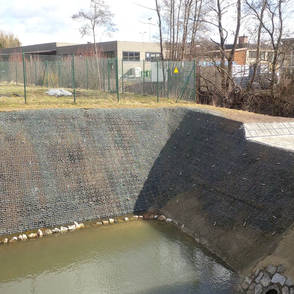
(131, 56)
(252, 54)
(152, 56)
(109, 54)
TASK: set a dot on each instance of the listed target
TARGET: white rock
(58, 92)
(162, 218)
(156, 216)
(72, 227)
(169, 220)
(5, 241)
(20, 237)
(32, 235)
(126, 219)
(40, 233)
(105, 222)
(13, 239)
(99, 223)
(63, 229)
(55, 231)
(111, 221)
(48, 232)
(79, 226)
(24, 237)
(278, 278)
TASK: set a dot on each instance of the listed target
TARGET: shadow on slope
(208, 168)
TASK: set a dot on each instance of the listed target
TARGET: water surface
(133, 258)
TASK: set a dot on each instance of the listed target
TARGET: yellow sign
(176, 70)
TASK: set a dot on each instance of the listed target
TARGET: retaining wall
(58, 166)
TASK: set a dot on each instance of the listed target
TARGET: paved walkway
(276, 134)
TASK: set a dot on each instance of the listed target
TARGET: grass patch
(12, 98)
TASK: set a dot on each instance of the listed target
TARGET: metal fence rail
(94, 78)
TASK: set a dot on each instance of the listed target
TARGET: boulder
(63, 229)
(111, 221)
(55, 231)
(72, 227)
(48, 232)
(32, 236)
(40, 233)
(162, 218)
(278, 279)
(13, 239)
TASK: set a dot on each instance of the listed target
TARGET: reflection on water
(128, 258)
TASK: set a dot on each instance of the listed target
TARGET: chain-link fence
(87, 77)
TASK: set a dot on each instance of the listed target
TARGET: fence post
(73, 77)
(59, 72)
(143, 87)
(108, 75)
(168, 80)
(87, 72)
(122, 76)
(47, 72)
(24, 78)
(157, 80)
(16, 72)
(35, 64)
(194, 80)
(117, 78)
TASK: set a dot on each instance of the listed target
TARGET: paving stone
(259, 277)
(258, 289)
(271, 269)
(266, 280)
(278, 279)
(285, 290)
(289, 283)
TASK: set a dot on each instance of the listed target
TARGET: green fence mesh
(87, 77)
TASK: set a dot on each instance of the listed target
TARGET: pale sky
(43, 21)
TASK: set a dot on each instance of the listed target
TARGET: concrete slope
(233, 194)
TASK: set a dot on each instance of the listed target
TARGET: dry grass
(11, 99)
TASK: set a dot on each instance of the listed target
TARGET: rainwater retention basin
(140, 257)
(232, 195)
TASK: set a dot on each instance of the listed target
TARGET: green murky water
(128, 258)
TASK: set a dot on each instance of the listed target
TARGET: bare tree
(258, 9)
(98, 16)
(158, 11)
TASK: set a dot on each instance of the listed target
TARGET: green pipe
(24, 78)
(157, 86)
(143, 87)
(122, 76)
(73, 77)
(116, 78)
